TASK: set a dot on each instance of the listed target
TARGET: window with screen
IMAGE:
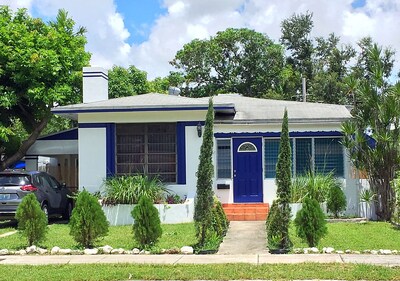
(329, 156)
(303, 156)
(223, 159)
(147, 149)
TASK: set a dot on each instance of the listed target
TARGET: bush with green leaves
(396, 188)
(128, 189)
(88, 222)
(313, 185)
(147, 226)
(310, 222)
(275, 229)
(336, 201)
(220, 222)
(32, 221)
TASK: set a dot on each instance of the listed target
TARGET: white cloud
(185, 20)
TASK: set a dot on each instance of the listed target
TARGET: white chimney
(95, 84)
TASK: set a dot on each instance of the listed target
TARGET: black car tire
(45, 209)
(68, 211)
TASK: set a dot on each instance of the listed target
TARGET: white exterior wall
(92, 158)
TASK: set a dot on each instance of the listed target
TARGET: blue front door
(247, 170)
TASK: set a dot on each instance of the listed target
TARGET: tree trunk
(25, 145)
(385, 196)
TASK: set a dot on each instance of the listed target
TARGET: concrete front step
(246, 212)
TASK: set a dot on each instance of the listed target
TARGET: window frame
(217, 156)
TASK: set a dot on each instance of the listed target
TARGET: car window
(45, 182)
(13, 180)
(37, 181)
(53, 182)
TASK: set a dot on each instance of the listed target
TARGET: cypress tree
(147, 227)
(283, 182)
(32, 222)
(204, 194)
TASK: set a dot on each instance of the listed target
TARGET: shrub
(276, 239)
(220, 222)
(128, 189)
(310, 222)
(336, 201)
(396, 188)
(32, 221)
(204, 190)
(147, 227)
(312, 185)
(88, 222)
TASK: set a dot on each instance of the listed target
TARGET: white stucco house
(160, 135)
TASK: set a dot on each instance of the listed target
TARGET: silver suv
(52, 196)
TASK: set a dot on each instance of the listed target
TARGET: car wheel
(68, 211)
(45, 210)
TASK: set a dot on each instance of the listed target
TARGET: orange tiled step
(246, 211)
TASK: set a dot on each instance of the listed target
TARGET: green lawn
(174, 236)
(199, 272)
(356, 236)
(6, 226)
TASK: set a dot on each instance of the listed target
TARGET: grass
(199, 272)
(174, 236)
(6, 226)
(356, 236)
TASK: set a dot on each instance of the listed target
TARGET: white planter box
(367, 210)
(169, 213)
(295, 207)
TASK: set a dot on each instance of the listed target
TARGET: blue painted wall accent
(277, 134)
(110, 149)
(181, 148)
(92, 125)
(65, 135)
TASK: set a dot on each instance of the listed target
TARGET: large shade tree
(40, 67)
(235, 60)
(372, 136)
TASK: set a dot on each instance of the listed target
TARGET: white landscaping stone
(328, 250)
(65, 251)
(374, 252)
(76, 252)
(20, 252)
(306, 250)
(94, 251)
(187, 250)
(147, 252)
(135, 251)
(42, 251)
(106, 249)
(298, 251)
(348, 251)
(339, 252)
(395, 252)
(128, 252)
(30, 250)
(356, 252)
(4, 252)
(367, 251)
(314, 250)
(141, 252)
(119, 251)
(55, 250)
(385, 252)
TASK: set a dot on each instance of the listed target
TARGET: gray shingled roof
(246, 109)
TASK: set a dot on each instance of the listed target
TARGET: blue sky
(148, 33)
(139, 17)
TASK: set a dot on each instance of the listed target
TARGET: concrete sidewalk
(202, 259)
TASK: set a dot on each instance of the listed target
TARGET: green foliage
(129, 189)
(375, 110)
(279, 219)
(41, 65)
(310, 222)
(336, 200)
(125, 82)
(276, 230)
(147, 226)
(312, 185)
(32, 222)
(204, 192)
(396, 187)
(88, 222)
(219, 221)
(235, 60)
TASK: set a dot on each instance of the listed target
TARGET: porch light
(199, 130)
